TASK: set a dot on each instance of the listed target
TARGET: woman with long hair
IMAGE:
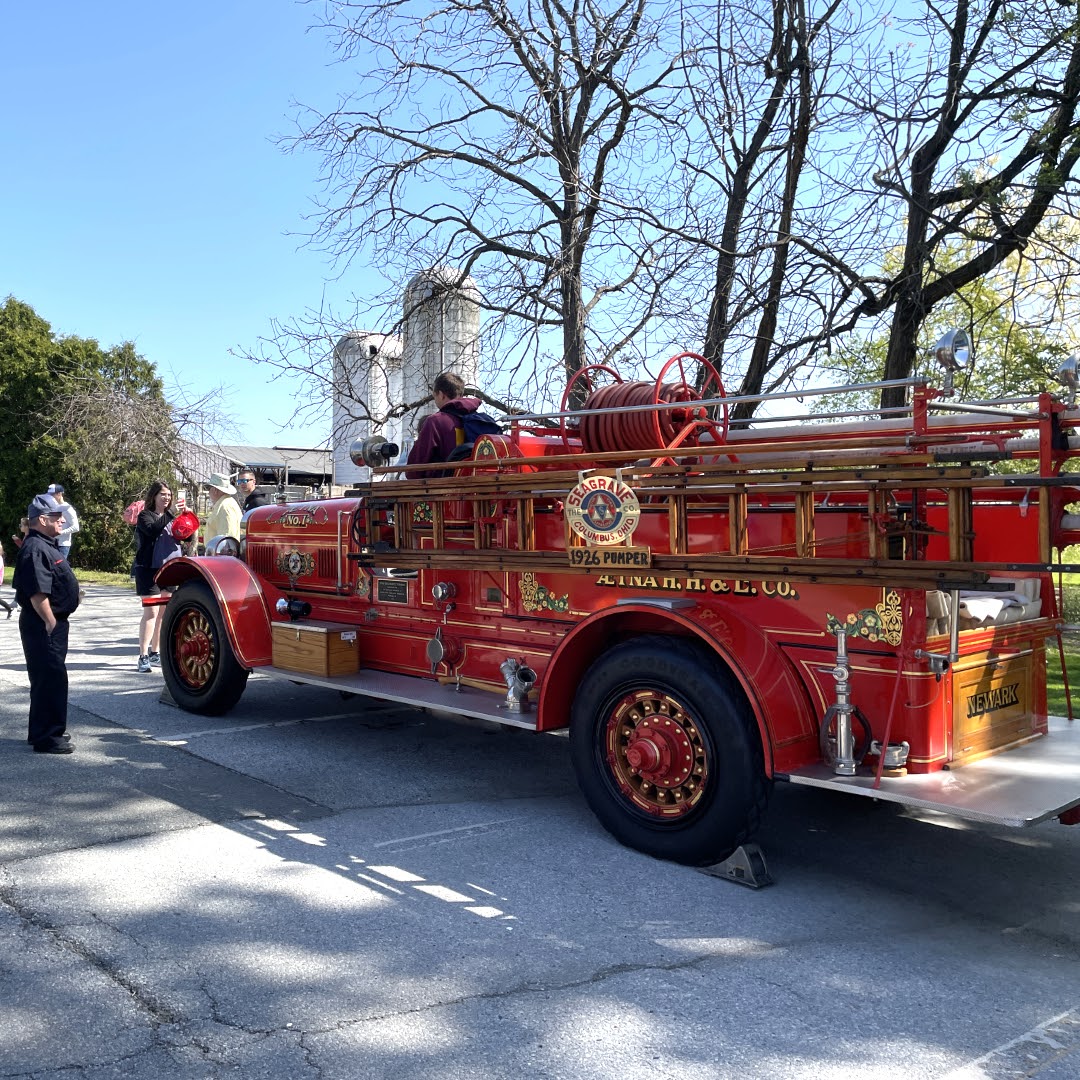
(153, 531)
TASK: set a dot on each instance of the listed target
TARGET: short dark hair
(446, 382)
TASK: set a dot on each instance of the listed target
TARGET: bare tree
(120, 419)
(759, 114)
(978, 139)
(527, 145)
(856, 159)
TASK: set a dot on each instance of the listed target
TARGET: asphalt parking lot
(320, 887)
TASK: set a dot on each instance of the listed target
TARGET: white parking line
(1047, 1041)
(234, 728)
(441, 832)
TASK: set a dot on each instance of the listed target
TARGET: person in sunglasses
(245, 484)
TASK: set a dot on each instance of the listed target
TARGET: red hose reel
(685, 381)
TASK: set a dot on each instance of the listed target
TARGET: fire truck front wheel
(666, 751)
(197, 660)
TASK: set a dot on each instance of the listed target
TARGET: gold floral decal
(485, 449)
(885, 622)
(536, 597)
(422, 514)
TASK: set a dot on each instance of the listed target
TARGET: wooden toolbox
(316, 648)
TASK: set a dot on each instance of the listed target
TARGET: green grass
(90, 577)
(104, 577)
(1055, 689)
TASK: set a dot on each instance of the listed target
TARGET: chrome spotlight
(953, 354)
(953, 351)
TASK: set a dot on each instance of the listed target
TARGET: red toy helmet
(185, 525)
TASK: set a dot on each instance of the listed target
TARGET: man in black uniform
(245, 482)
(47, 592)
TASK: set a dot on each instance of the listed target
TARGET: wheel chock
(745, 866)
(167, 698)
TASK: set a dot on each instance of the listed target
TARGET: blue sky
(144, 196)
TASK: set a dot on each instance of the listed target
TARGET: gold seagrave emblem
(883, 622)
(537, 597)
(296, 564)
(602, 510)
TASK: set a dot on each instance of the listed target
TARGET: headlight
(223, 545)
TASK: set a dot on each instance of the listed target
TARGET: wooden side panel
(992, 705)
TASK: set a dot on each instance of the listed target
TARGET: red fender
(244, 604)
(779, 701)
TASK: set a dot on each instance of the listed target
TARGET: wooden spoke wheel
(667, 752)
(197, 660)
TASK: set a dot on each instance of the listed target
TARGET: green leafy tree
(95, 420)
(1011, 359)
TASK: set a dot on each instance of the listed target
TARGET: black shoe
(65, 737)
(54, 748)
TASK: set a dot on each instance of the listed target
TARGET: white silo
(441, 332)
(367, 382)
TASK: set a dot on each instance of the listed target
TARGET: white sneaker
(154, 658)
(144, 664)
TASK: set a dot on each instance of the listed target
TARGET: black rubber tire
(727, 808)
(214, 684)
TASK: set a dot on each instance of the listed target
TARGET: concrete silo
(375, 372)
(367, 381)
(441, 332)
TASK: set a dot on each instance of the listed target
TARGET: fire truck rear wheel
(197, 660)
(666, 751)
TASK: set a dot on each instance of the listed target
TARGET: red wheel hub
(655, 753)
(194, 648)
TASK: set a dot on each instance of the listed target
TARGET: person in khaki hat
(224, 516)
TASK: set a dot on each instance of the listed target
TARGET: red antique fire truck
(863, 604)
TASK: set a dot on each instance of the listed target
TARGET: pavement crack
(148, 1002)
(598, 977)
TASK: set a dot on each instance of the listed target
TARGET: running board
(414, 691)
(1018, 788)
